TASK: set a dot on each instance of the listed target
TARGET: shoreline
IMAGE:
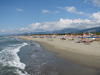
(73, 54)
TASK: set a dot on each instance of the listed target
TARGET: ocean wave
(9, 57)
(20, 72)
(7, 39)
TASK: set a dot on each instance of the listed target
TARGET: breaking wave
(10, 59)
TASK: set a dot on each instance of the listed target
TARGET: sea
(21, 57)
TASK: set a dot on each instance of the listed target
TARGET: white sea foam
(20, 73)
(3, 39)
(9, 57)
(37, 45)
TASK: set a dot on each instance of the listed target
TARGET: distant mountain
(95, 29)
(67, 30)
(74, 30)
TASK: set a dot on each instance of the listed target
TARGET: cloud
(96, 17)
(67, 23)
(57, 11)
(71, 10)
(62, 23)
(88, 1)
(96, 2)
(44, 26)
(45, 11)
(85, 1)
(93, 2)
(2, 31)
(19, 9)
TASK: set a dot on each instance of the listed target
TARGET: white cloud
(88, 1)
(76, 23)
(57, 11)
(62, 23)
(23, 29)
(68, 23)
(19, 9)
(96, 16)
(96, 2)
(44, 26)
(85, 1)
(45, 11)
(71, 9)
(2, 31)
(93, 2)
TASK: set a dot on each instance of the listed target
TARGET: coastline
(77, 53)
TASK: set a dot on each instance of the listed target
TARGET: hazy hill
(95, 29)
(67, 30)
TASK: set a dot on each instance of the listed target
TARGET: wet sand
(77, 53)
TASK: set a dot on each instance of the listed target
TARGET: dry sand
(78, 53)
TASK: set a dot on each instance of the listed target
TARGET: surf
(9, 58)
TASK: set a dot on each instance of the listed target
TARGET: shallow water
(20, 57)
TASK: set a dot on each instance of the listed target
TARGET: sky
(20, 16)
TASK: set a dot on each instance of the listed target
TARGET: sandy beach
(77, 53)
